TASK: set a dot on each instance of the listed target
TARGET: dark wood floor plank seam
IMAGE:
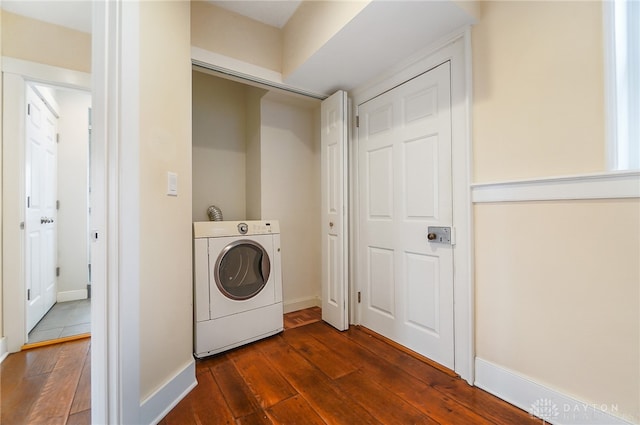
(238, 395)
(388, 374)
(53, 404)
(289, 411)
(329, 402)
(17, 405)
(267, 384)
(82, 396)
(319, 354)
(494, 409)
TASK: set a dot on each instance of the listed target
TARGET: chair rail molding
(609, 185)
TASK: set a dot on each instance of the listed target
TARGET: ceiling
(76, 14)
(383, 34)
(67, 13)
(274, 13)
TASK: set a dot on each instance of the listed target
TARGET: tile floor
(64, 319)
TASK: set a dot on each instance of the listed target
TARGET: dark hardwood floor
(47, 385)
(309, 374)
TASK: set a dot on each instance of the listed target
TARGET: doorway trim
(455, 48)
(16, 75)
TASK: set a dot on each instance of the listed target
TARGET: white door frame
(457, 49)
(16, 75)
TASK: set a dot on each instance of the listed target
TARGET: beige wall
(219, 147)
(254, 156)
(166, 320)
(557, 297)
(538, 90)
(2, 332)
(311, 26)
(280, 50)
(73, 151)
(291, 193)
(230, 34)
(38, 41)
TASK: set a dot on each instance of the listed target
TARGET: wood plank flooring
(309, 374)
(313, 374)
(47, 385)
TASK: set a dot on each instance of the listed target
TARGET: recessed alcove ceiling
(382, 34)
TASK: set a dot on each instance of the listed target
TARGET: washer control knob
(243, 228)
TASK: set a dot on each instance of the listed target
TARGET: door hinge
(28, 109)
(57, 271)
(22, 225)
(28, 294)
(359, 296)
(28, 201)
(358, 121)
(58, 204)
(57, 137)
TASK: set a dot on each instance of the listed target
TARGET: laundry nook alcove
(256, 155)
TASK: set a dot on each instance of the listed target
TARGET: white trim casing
(454, 48)
(237, 70)
(622, 82)
(47, 74)
(614, 185)
(104, 341)
(548, 404)
(209, 58)
(159, 404)
(3, 349)
(124, 210)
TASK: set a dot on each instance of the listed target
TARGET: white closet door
(334, 211)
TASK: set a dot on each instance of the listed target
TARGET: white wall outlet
(172, 184)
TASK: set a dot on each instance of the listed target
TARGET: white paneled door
(404, 186)
(40, 225)
(333, 114)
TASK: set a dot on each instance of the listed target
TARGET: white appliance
(237, 283)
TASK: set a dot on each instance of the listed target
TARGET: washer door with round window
(242, 270)
(241, 278)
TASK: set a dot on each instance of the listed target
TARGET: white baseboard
(157, 405)
(300, 304)
(4, 351)
(78, 294)
(548, 404)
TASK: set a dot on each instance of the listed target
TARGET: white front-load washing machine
(237, 283)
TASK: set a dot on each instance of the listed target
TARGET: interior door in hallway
(40, 226)
(404, 186)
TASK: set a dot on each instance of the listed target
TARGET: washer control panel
(219, 229)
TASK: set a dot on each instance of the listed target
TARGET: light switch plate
(172, 184)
